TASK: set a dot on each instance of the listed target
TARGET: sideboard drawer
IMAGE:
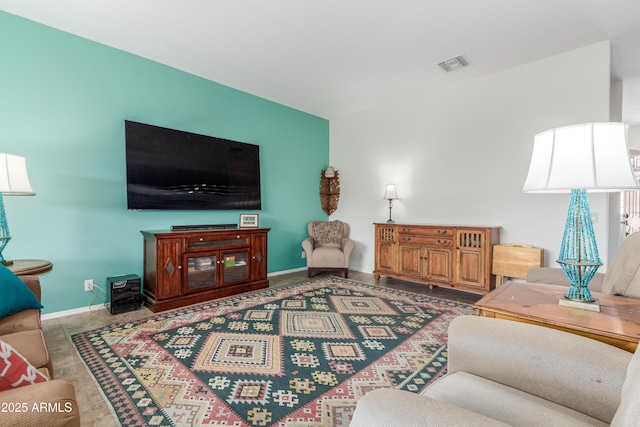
(426, 240)
(427, 231)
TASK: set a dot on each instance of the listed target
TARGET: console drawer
(426, 240)
(427, 231)
(211, 242)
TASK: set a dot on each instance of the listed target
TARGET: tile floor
(93, 409)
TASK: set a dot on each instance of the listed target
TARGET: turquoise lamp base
(583, 305)
(579, 257)
(4, 232)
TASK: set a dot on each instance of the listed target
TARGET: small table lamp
(390, 195)
(575, 159)
(13, 181)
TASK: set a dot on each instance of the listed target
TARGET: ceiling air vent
(453, 64)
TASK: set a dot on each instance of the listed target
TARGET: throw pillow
(15, 296)
(623, 272)
(328, 233)
(15, 370)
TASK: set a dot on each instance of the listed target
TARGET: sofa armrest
(574, 371)
(51, 403)
(25, 320)
(390, 407)
(555, 276)
(33, 283)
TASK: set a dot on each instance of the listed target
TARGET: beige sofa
(54, 400)
(508, 373)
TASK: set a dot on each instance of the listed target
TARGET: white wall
(616, 229)
(634, 137)
(460, 155)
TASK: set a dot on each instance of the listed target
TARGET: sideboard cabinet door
(385, 249)
(259, 256)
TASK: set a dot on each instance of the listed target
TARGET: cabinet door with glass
(202, 271)
(216, 269)
(235, 266)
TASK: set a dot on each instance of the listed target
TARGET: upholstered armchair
(621, 278)
(328, 247)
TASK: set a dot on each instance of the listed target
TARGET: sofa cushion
(25, 320)
(554, 365)
(384, 407)
(59, 397)
(623, 273)
(555, 276)
(505, 404)
(15, 296)
(31, 345)
(15, 370)
(628, 412)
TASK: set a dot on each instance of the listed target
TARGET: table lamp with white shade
(390, 194)
(14, 181)
(590, 157)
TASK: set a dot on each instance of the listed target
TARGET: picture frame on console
(248, 220)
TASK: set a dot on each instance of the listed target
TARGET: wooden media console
(187, 267)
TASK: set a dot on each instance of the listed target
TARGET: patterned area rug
(299, 355)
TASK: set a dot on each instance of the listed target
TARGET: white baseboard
(280, 273)
(73, 311)
(81, 310)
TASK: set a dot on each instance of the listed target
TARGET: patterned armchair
(328, 247)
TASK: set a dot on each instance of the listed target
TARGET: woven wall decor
(329, 190)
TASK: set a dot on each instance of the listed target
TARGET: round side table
(28, 267)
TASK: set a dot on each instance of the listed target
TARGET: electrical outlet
(304, 254)
(88, 285)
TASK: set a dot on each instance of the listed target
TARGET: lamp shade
(13, 176)
(390, 192)
(590, 156)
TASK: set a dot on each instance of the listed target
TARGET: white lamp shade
(390, 192)
(13, 175)
(590, 156)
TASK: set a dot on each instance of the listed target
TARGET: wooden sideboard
(438, 255)
(188, 267)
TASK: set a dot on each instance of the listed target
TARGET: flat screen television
(170, 169)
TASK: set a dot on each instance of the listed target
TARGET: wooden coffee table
(618, 322)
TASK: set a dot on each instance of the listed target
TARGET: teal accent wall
(63, 102)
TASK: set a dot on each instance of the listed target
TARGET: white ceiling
(331, 57)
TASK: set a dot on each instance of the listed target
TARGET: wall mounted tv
(171, 169)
